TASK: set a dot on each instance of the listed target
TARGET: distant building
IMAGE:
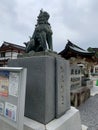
(9, 51)
(80, 65)
(78, 56)
(94, 69)
(72, 50)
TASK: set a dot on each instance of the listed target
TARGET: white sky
(76, 20)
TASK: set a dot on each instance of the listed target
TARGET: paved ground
(89, 113)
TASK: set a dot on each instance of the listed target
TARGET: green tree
(90, 49)
(96, 54)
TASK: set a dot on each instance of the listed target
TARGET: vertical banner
(4, 83)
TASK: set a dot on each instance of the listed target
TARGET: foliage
(90, 49)
(96, 54)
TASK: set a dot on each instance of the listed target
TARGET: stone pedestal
(48, 86)
(69, 121)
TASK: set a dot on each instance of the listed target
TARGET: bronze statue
(42, 35)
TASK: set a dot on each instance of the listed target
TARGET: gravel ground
(89, 113)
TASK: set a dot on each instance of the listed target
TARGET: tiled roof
(72, 50)
(5, 44)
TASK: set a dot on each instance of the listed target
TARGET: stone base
(41, 53)
(69, 121)
(47, 88)
(80, 95)
(94, 90)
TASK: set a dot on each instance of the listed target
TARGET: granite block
(62, 86)
(40, 88)
(47, 95)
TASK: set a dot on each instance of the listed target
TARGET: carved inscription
(62, 84)
(62, 88)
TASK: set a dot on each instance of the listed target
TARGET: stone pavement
(89, 112)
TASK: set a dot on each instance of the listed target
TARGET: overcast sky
(76, 20)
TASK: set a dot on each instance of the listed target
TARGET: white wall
(11, 55)
(14, 55)
(8, 54)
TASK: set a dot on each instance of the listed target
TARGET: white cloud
(76, 20)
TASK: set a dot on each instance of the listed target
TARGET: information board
(12, 96)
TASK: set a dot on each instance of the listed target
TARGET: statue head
(43, 17)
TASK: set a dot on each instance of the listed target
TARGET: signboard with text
(12, 96)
